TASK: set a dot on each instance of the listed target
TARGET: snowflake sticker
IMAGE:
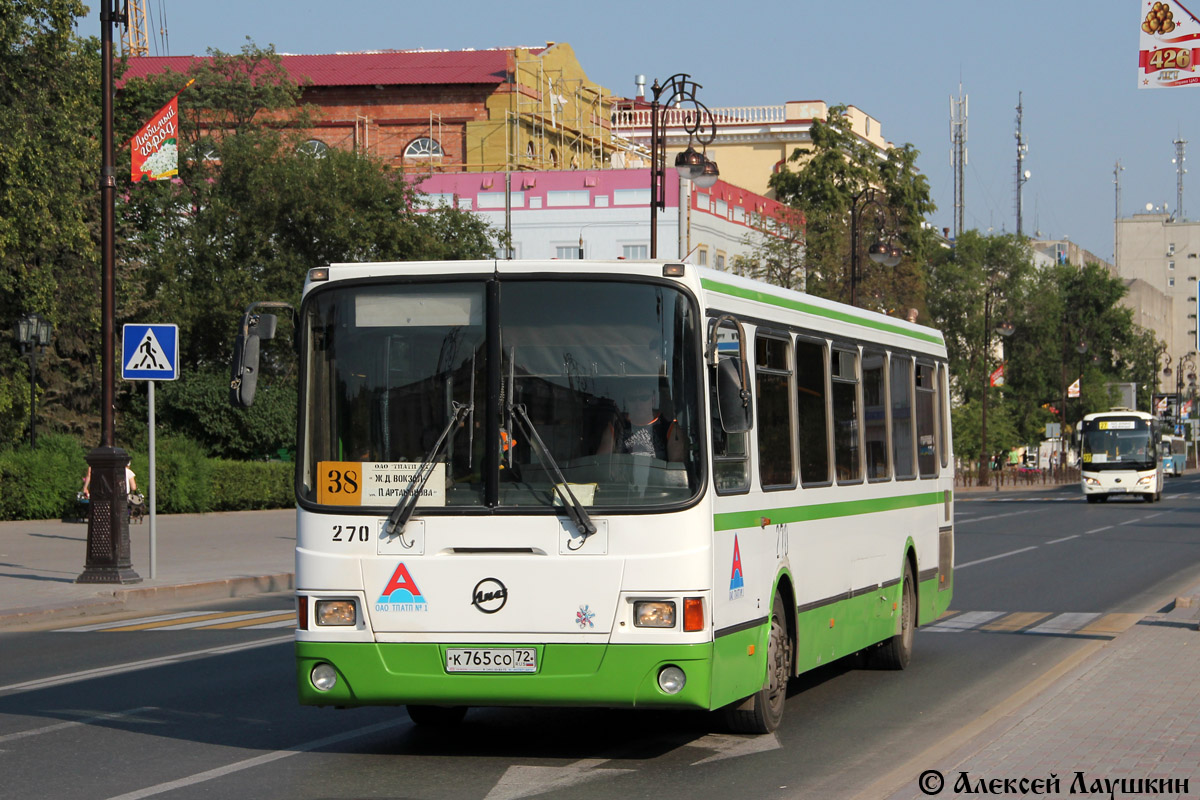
(584, 617)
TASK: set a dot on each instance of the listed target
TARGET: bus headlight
(671, 679)
(336, 612)
(1091, 482)
(1145, 479)
(324, 677)
(654, 614)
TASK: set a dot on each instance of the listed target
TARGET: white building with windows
(605, 214)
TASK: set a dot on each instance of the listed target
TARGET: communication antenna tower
(1022, 173)
(1180, 147)
(958, 153)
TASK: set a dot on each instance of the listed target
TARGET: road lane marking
(266, 758)
(170, 625)
(1064, 539)
(8, 737)
(98, 625)
(1097, 530)
(964, 622)
(133, 666)
(1092, 625)
(190, 620)
(270, 618)
(1070, 622)
(993, 558)
(1014, 622)
(998, 516)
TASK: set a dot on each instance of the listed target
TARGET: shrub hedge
(41, 483)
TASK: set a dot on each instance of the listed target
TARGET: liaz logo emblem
(737, 580)
(401, 593)
(489, 595)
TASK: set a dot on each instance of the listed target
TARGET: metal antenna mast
(958, 153)
(1180, 148)
(1022, 173)
(1117, 170)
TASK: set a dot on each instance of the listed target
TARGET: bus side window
(927, 461)
(902, 417)
(874, 369)
(943, 394)
(772, 379)
(731, 452)
(812, 411)
(847, 426)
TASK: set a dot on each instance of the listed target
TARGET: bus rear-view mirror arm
(254, 329)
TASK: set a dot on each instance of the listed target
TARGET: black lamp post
(108, 553)
(880, 252)
(700, 126)
(1005, 329)
(1185, 366)
(33, 333)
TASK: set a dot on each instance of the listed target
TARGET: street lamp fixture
(33, 332)
(680, 93)
(708, 176)
(881, 252)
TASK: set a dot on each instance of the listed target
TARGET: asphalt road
(185, 709)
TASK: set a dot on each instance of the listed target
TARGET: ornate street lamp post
(700, 126)
(1185, 366)
(33, 333)
(880, 252)
(108, 553)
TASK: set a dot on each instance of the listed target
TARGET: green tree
(833, 182)
(975, 289)
(249, 214)
(49, 209)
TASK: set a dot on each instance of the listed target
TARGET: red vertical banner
(155, 148)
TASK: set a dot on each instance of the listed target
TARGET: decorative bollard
(108, 556)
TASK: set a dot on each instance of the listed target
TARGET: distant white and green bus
(1119, 455)
(606, 484)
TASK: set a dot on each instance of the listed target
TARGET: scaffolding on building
(553, 122)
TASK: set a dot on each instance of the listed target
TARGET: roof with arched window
(424, 147)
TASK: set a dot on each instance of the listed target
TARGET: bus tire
(436, 716)
(896, 652)
(1093, 498)
(762, 711)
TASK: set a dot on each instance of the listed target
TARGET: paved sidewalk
(1126, 710)
(199, 557)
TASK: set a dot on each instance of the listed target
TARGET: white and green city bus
(609, 484)
(1119, 455)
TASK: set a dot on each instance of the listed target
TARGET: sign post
(150, 353)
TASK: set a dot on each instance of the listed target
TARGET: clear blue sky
(1075, 61)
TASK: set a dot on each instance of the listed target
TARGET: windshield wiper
(575, 509)
(404, 509)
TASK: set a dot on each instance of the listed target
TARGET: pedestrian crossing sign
(150, 352)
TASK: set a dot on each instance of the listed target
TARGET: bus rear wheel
(762, 711)
(436, 716)
(896, 652)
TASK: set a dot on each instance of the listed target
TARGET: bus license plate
(491, 659)
(1119, 490)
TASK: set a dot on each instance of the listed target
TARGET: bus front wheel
(762, 711)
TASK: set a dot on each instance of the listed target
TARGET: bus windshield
(604, 372)
(1118, 443)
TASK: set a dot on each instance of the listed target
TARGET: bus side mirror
(243, 371)
(733, 399)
